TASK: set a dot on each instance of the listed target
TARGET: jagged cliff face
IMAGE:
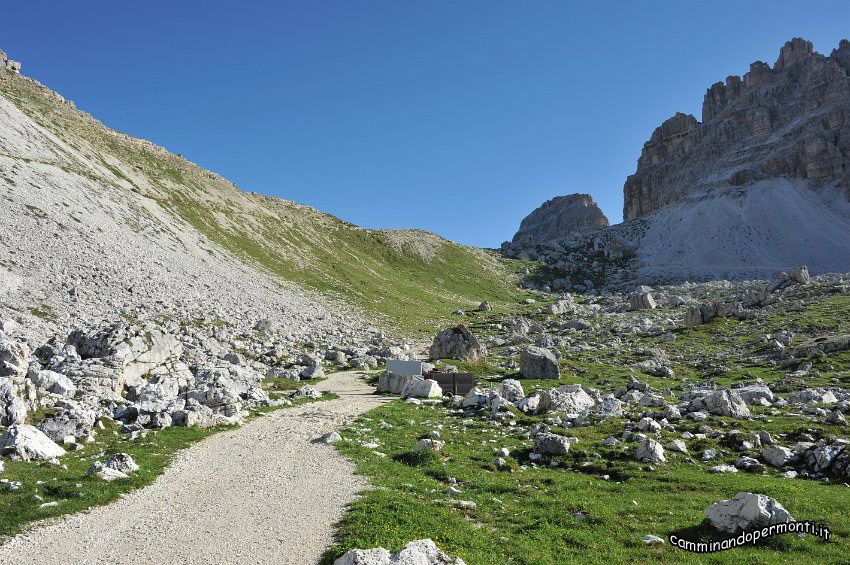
(789, 121)
(558, 218)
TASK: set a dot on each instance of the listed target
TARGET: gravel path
(259, 494)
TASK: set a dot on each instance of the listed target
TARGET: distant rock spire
(560, 217)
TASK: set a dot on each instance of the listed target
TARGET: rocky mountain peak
(559, 217)
(789, 121)
(793, 52)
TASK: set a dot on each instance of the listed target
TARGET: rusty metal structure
(452, 383)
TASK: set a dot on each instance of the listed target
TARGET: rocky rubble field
(601, 424)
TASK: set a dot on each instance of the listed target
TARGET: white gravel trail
(260, 494)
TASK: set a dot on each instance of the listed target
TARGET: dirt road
(260, 494)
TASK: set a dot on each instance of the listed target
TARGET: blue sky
(454, 116)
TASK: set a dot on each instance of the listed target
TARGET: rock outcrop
(13, 66)
(791, 120)
(23, 441)
(558, 218)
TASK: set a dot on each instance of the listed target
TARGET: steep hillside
(120, 223)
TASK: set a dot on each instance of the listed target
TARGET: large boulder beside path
(457, 343)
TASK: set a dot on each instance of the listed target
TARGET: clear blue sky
(454, 116)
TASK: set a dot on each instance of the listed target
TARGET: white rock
(56, 383)
(121, 462)
(474, 398)
(745, 512)
(569, 399)
(429, 444)
(650, 451)
(776, 455)
(551, 444)
(529, 404)
(425, 388)
(678, 445)
(106, 473)
(26, 442)
(330, 437)
(648, 424)
(420, 552)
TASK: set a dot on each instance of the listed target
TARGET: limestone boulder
(571, 400)
(22, 441)
(539, 363)
(421, 388)
(746, 512)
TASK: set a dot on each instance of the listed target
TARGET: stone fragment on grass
(749, 464)
(650, 451)
(747, 511)
(649, 425)
(308, 391)
(548, 443)
(511, 390)
(724, 403)
(569, 399)
(121, 462)
(429, 445)
(474, 398)
(529, 404)
(677, 445)
(99, 469)
(539, 363)
(777, 456)
(723, 469)
(420, 552)
(641, 301)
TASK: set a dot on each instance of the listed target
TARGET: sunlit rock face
(791, 121)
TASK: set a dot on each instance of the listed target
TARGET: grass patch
(528, 516)
(45, 312)
(73, 489)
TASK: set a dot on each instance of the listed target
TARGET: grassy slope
(528, 516)
(393, 282)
